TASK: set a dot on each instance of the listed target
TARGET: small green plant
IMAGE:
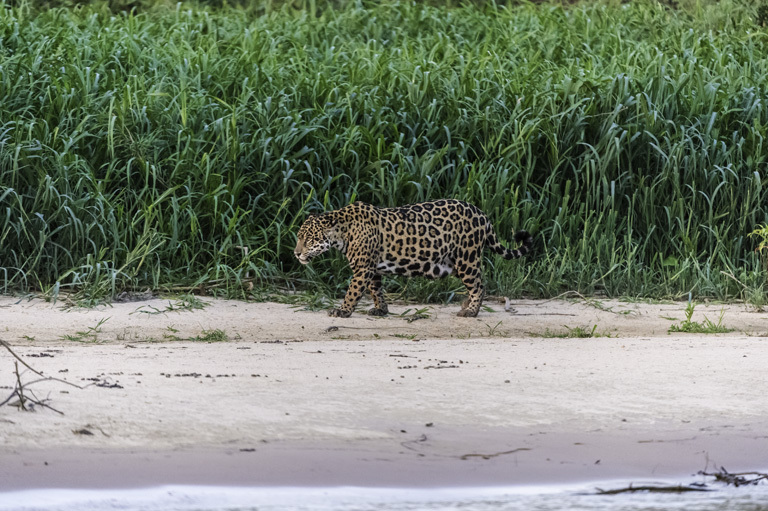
(172, 335)
(188, 302)
(422, 313)
(761, 233)
(755, 296)
(410, 337)
(493, 331)
(757, 299)
(577, 332)
(215, 335)
(695, 327)
(91, 334)
(310, 300)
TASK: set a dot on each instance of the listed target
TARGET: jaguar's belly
(414, 268)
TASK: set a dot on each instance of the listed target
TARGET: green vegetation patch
(179, 148)
(577, 332)
(215, 335)
(695, 327)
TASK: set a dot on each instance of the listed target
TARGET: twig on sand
(407, 444)
(592, 302)
(29, 397)
(22, 390)
(489, 456)
(567, 293)
(8, 347)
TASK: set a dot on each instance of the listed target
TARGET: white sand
(380, 401)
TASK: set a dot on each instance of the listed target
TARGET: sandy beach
(294, 397)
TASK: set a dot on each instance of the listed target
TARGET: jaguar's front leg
(359, 284)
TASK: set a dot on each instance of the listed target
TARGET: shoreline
(556, 462)
(224, 498)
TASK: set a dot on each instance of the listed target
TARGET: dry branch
(722, 476)
(680, 488)
(22, 390)
(736, 479)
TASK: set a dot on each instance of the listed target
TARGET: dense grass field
(180, 146)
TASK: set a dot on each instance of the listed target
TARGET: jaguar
(432, 239)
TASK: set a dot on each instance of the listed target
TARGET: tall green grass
(146, 148)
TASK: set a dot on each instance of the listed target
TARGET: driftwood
(737, 479)
(26, 398)
(722, 476)
(678, 488)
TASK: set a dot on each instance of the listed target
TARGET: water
(541, 498)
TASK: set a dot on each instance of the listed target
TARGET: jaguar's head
(316, 235)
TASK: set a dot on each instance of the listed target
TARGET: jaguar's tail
(522, 237)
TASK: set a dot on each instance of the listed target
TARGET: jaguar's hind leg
(471, 276)
(475, 300)
(377, 292)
